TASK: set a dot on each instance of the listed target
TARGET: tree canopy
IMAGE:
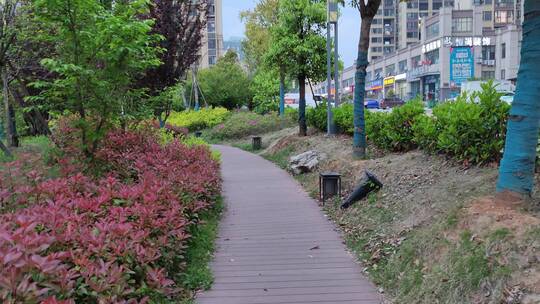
(225, 84)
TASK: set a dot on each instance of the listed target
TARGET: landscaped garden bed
(113, 229)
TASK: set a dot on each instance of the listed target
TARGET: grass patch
(246, 146)
(199, 252)
(280, 158)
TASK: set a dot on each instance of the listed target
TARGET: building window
(487, 16)
(211, 60)
(488, 52)
(378, 73)
(211, 26)
(368, 76)
(376, 30)
(412, 34)
(461, 25)
(488, 1)
(423, 5)
(504, 17)
(437, 6)
(503, 50)
(415, 61)
(503, 74)
(211, 10)
(212, 44)
(486, 75)
(433, 56)
(412, 4)
(432, 30)
(390, 70)
(376, 39)
(377, 21)
(402, 66)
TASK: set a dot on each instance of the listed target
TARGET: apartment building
(384, 30)
(454, 47)
(212, 46)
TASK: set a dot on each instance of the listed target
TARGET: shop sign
(388, 81)
(426, 48)
(466, 41)
(375, 85)
(401, 77)
(461, 65)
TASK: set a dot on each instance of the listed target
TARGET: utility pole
(195, 87)
(332, 18)
(336, 65)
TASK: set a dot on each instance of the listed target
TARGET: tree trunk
(33, 118)
(281, 93)
(516, 174)
(5, 149)
(302, 127)
(359, 140)
(11, 130)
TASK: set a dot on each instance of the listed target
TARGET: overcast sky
(349, 25)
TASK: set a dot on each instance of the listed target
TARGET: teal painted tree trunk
(367, 12)
(516, 173)
(282, 94)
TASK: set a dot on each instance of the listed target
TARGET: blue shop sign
(376, 84)
(461, 65)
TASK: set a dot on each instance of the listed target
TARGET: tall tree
(516, 173)
(225, 84)
(258, 40)
(367, 12)
(99, 51)
(181, 24)
(25, 68)
(298, 41)
(7, 37)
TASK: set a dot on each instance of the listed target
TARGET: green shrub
(425, 133)
(394, 131)
(199, 120)
(242, 124)
(317, 117)
(473, 128)
(344, 118)
(291, 115)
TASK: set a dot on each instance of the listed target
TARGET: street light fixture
(332, 18)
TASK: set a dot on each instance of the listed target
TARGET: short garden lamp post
(329, 185)
(256, 142)
(198, 133)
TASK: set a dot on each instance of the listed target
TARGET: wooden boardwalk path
(275, 245)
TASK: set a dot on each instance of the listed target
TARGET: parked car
(391, 102)
(371, 104)
(508, 97)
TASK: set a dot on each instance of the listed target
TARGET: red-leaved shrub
(113, 239)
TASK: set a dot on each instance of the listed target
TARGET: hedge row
(242, 124)
(472, 128)
(198, 120)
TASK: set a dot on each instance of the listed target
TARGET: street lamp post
(332, 19)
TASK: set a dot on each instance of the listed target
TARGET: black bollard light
(198, 133)
(368, 184)
(329, 185)
(256, 143)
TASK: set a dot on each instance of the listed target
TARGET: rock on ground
(305, 162)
